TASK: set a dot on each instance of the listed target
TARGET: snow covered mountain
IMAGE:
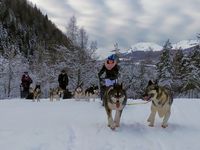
(185, 44)
(150, 46)
(148, 50)
(145, 46)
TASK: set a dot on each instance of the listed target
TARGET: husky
(162, 100)
(34, 93)
(115, 98)
(79, 93)
(37, 93)
(55, 93)
(92, 92)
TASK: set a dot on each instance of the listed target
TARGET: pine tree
(191, 80)
(164, 66)
(178, 71)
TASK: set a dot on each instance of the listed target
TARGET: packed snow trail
(80, 125)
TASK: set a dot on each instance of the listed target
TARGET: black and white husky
(92, 92)
(115, 98)
(34, 93)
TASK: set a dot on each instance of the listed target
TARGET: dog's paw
(112, 128)
(116, 124)
(151, 125)
(164, 126)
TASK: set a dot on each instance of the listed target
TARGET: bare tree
(72, 30)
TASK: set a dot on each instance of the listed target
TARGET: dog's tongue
(117, 104)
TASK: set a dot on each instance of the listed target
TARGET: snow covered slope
(145, 46)
(72, 125)
(185, 44)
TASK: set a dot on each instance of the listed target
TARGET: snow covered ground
(73, 125)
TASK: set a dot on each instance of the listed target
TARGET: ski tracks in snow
(71, 141)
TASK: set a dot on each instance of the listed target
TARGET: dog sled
(67, 94)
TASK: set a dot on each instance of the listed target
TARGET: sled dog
(115, 98)
(34, 93)
(161, 102)
(37, 93)
(92, 92)
(55, 93)
(79, 93)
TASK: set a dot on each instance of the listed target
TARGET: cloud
(127, 21)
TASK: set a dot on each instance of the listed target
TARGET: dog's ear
(150, 82)
(156, 82)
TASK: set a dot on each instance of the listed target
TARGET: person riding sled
(111, 70)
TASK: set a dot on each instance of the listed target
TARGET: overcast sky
(127, 21)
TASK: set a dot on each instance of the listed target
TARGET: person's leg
(25, 92)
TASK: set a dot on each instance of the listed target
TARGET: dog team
(113, 94)
(56, 93)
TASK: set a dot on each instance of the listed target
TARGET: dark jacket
(110, 74)
(26, 81)
(63, 80)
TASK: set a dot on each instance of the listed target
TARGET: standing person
(111, 70)
(25, 85)
(63, 81)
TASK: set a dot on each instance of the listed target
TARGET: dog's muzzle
(117, 104)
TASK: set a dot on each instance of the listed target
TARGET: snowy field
(73, 125)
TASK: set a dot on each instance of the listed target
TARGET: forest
(29, 41)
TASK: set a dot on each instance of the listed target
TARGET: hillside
(29, 41)
(24, 26)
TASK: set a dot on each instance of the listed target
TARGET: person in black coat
(63, 80)
(63, 83)
(111, 70)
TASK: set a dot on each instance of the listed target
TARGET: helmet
(111, 57)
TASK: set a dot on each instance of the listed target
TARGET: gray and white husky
(161, 102)
(79, 93)
(55, 93)
(114, 99)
